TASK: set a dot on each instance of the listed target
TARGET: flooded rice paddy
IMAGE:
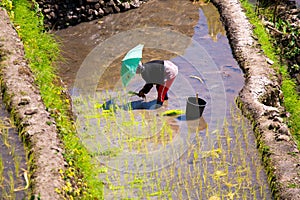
(13, 169)
(142, 153)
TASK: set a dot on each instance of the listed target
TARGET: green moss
(265, 153)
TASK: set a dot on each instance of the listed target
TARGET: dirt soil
(34, 122)
(259, 99)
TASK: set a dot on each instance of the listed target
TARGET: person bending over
(160, 73)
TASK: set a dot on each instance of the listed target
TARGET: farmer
(160, 73)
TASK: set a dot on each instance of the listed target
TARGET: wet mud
(117, 141)
(13, 168)
(79, 41)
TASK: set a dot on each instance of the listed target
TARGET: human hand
(142, 94)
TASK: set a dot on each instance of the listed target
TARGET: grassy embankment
(291, 98)
(41, 51)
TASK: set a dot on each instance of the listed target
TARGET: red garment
(159, 72)
(163, 89)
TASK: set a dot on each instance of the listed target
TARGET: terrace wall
(60, 14)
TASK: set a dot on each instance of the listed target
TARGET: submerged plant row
(14, 180)
(145, 156)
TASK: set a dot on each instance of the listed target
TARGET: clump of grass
(8, 5)
(172, 112)
(292, 105)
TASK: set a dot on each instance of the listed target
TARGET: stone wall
(260, 100)
(60, 14)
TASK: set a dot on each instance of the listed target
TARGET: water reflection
(12, 160)
(169, 156)
(213, 21)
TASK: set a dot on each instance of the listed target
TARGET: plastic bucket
(194, 110)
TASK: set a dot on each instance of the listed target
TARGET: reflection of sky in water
(205, 57)
(210, 59)
(11, 148)
(208, 56)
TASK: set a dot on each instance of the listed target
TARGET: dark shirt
(153, 73)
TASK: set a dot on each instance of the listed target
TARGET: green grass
(41, 51)
(260, 32)
(292, 104)
(291, 97)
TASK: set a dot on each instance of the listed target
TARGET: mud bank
(61, 14)
(24, 102)
(260, 101)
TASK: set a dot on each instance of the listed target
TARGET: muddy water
(144, 154)
(79, 41)
(12, 160)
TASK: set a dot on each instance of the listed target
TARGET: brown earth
(78, 41)
(23, 100)
(259, 99)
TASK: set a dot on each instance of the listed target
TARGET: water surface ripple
(142, 154)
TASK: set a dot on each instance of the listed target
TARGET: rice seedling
(5, 139)
(5, 194)
(17, 161)
(11, 185)
(1, 171)
(215, 164)
(11, 161)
